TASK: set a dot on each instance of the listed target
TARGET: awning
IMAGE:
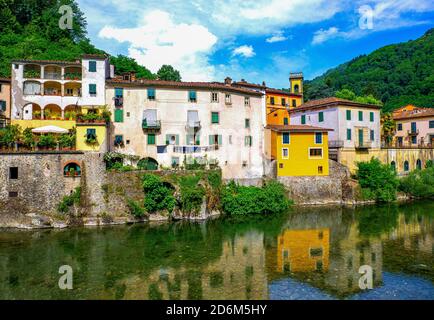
(150, 115)
(50, 129)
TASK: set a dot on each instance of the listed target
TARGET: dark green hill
(397, 74)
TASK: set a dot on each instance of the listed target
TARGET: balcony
(365, 145)
(413, 133)
(151, 125)
(336, 144)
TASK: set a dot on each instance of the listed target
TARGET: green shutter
(303, 119)
(372, 116)
(348, 115)
(119, 115)
(321, 117)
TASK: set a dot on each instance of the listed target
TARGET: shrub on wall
(419, 183)
(158, 195)
(240, 200)
(378, 181)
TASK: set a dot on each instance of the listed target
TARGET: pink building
(414, 127)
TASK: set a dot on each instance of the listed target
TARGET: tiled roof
(296, 128)
(174, 84)
(414, 114)
(331, 102)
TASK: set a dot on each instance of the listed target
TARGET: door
(360, 137)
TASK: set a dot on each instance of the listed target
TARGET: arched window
(419, 164)
(393, 165)
(406, 166)
(72, 170)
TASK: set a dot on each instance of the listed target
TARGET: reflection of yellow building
(303, 250)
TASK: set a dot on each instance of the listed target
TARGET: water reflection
(307, 254)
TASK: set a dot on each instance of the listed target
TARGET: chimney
(228, 81)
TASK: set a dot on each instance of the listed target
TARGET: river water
(312, 253)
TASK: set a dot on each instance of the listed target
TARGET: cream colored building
(170, 123)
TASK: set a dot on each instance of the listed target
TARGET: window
(247, 101)
(349, 115)
(372, 117)
(151, 139)
(214, 97)
(320, 171)
(119, 140)
(13, 173)
(247, 123)
(318, 138)
(399, 126)
(349, 135)
(285, 121)
(119, 115)
(360, 115)
(431, 124)
(321, 117)
(372, 135)
(92, 89)
(283, 102)
(248, 141)
(303, 119)
(215, 118)
(285, 153)
(151, 94)
(92, 66)
(192, 96)
(119, 92)
(286, 138)
(2, 105)
(228, 99)
(315, 152)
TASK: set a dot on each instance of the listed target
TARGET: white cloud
(322, 35)
(244, 51)
(277, 37)
(158, 40)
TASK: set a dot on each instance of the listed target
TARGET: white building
(357, 126)
(169, 123)
(39, 87)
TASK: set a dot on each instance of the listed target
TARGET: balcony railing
(413, 132)
(363, 145)
(336, 144)
(151, 125)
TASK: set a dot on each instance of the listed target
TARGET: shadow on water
(308, 253)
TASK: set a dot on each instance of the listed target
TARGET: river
(309, 253)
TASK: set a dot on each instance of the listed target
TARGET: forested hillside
(29, 29)
(397, 75)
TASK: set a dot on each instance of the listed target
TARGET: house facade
(5, 101)
(414, 127)
(171, 124)
(356, 134)
(298, 150)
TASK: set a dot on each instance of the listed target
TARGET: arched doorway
(148, 164)
(419, 164)
(406, 166)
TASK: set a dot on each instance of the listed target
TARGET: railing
(413, 132)
(151, 125)
(336, 144)
(363, 145)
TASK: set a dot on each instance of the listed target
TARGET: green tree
(168, 73)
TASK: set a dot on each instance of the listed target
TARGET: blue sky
(256, 40)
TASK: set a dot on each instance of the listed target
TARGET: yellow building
(298, 150)
(303, 250)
